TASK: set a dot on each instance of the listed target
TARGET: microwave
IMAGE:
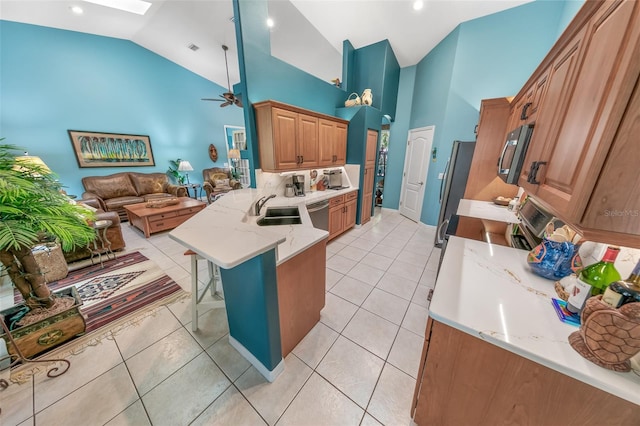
(513, 153)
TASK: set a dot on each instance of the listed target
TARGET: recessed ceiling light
(76, 10)
(139, 7)
(417, 5)
(270, 23)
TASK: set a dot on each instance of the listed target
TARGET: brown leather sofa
(217, 180)
(115, 191)
(114, 233)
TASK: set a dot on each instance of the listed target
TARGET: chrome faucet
(261, 202)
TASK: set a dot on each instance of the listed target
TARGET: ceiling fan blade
(238, 102)
(211, 99)
(224, 104)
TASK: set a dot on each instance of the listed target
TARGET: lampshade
(185, 166)
(30, 163)
(234, 154)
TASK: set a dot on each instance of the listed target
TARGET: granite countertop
(227, 234)
(488, 291)
(486, 210)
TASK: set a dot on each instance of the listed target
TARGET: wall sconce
(185, 166)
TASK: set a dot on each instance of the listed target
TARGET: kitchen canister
(367, 97)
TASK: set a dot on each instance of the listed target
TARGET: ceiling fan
(228, 98)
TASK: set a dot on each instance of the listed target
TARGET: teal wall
(54, 80)
(398, 139)
(488, 57)
(376, 68)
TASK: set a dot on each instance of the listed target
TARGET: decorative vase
(46, 333)
(554, 260)
(367, 97)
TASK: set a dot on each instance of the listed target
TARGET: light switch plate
(440, 176)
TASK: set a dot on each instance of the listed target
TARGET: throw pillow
(222, 182)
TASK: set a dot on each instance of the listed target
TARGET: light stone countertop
(226, 232)
(489, 292)
(486, 210)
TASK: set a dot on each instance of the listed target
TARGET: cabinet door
(336, 222)
(326, 137)
(572, 163)
(350, 208)
(556, 98)
(371, 150)
(367, 195)
(340, 144)
(307, 141)
(612, 209)
(285, 131)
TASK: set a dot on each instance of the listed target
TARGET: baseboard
(270, 375)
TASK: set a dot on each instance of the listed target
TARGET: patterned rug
(119, 288)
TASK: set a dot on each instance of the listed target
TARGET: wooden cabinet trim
(293, 108)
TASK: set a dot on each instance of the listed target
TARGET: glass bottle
(593, 280)
(624, 291)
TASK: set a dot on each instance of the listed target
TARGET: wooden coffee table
(154, 219)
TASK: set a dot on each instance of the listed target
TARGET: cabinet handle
(301, 159)
(524, 115)
(533, 173)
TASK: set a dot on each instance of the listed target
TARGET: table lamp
(185, 166)
(31, 164)
(234, 156)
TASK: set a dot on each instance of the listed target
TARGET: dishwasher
(319, 213)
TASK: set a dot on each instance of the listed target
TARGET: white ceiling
(171, 25)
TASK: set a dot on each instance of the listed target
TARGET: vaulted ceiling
(170, 26)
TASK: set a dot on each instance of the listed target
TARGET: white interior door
(416, 166)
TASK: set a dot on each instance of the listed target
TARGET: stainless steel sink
(272, 221)
(280, 216)
(282, 212)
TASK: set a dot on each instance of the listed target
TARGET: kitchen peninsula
(495, 351)
(253, 260)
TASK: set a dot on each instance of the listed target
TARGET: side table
(193, 186)
(101, 244)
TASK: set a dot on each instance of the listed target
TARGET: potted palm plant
(33, 209)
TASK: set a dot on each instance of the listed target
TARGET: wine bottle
(624, 291)
(593, 280)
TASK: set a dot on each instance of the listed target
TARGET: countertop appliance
(452, 186)
(513, 153)
(319, 213)
(289, 191)
(335, 178)
(298, 185)
(534, 221)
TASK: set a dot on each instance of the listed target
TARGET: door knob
(420, 183)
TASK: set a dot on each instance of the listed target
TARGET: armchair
(218, 181)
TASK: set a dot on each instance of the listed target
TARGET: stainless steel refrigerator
(452, 188)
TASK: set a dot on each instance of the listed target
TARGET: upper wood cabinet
(291, 138)
(584, 125)
(332, 136)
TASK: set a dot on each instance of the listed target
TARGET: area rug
(117, 288)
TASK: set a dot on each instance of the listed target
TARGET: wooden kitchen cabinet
(342, 213)
(482, 183)
(562, 73)
(292, 138)
(580, 130)
(368, 180)
(301, 294)
(332, 137)
(464, 380)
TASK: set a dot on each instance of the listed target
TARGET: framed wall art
(95, 149)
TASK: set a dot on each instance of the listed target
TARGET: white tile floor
(358, 366)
